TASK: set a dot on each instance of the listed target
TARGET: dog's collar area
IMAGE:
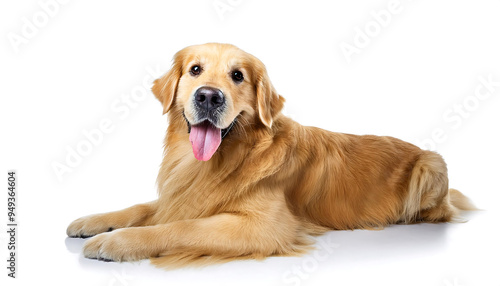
(187, 122)
(224, 131)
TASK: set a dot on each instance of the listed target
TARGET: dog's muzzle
(205, 136)
(209, 103)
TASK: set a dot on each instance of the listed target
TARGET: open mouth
(206, 138)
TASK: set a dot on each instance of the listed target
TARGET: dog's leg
(91, 225)
(429, 198)
(274, 230)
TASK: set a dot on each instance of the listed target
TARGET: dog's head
(214, 86)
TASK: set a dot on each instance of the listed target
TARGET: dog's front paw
(119, 245)
(88, 226)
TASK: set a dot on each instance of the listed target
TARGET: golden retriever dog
(241, 180)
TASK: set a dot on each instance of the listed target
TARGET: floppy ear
(269, 102)
(165, 87)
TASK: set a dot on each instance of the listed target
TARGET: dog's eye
(237, 76)
(195, 70)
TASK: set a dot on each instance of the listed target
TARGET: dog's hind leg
(429, 199)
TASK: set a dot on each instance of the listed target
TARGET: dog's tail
(460, 201)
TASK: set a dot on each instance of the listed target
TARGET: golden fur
(271, 183)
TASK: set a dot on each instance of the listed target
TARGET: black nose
(209, 98)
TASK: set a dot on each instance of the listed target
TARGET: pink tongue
(205, 139)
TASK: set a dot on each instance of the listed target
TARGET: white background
(85, 59)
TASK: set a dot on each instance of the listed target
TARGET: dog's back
(345, 181)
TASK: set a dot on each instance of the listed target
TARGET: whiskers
(241, 126)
